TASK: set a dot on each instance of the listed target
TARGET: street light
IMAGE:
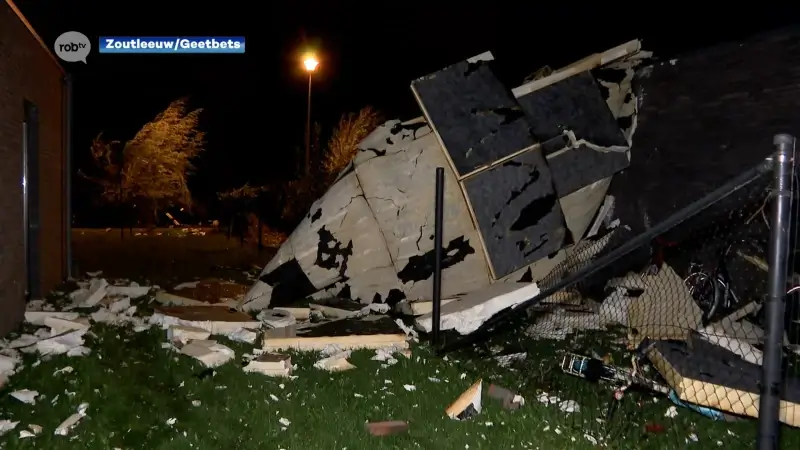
(310, 63)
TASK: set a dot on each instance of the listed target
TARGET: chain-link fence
(663, 332)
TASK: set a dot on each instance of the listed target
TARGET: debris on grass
(72, 421)
(25, 396)
(211, 353)
(276, 318)
(371, 332)
(7, 425)
(507, 398)
(221, 321)
(335, 363)
(386, 428)
(468, 404)
(184, 334)
(271, 364)
(32, 431)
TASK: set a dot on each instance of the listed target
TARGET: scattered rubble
(387, 428)
(468, 404)
(72, 421)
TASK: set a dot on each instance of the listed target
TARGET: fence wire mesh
(666, 339)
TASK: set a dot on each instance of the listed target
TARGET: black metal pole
(437, 263)
(771, 379)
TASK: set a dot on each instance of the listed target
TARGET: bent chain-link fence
(659, 344)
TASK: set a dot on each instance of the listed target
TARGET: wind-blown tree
(348, 133)
(151, 170)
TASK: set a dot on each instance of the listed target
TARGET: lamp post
(310, 63)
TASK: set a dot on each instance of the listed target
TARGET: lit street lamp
(310, 63)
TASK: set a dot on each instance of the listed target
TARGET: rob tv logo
(73, 46)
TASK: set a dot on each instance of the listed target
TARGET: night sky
(255, 103)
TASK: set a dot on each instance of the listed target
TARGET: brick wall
(706, 117)
(27, 72)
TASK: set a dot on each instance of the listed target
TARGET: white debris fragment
(184, 334)
(569, 406)
(671, 413)
(559, 324)
(25, 396)
(276, 318)
(8, 364)
(71, 421)
(284, 421)
(64, 343)
(120, 305)
(220, 327)
(409, 387)
(7, 425)
(209, 352)
(243, 335)
(65, 369)
(133, 290)
(196, 403)
(88, 297)
(335, 363)
(590, 438)
(469, 312)
(386, 354)
(171, 421)
(60, 326)
(38, 317)
(187, 285)
(410, 332)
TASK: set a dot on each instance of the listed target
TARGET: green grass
(133, 387)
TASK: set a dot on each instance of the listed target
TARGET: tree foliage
(152, 169)
(293, 197)
(348, 133)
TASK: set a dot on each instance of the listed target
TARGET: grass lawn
(134, 387)
(141, 396)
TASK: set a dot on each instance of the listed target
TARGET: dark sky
(370, 51)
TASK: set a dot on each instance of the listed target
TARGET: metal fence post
(437, 263)
(771, 378)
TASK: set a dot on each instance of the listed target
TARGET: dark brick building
(34, 229)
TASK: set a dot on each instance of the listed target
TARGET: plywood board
(369, 332)
(474, 115)
(575, 104)
(204, 314)
(517, 212)
(711, 376)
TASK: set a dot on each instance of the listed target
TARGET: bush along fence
(690, 327)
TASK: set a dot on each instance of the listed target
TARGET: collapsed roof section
(527, 172)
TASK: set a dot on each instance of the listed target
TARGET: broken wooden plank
(212, 319)
(368, 332)
(711, 376)
(468, 404)
(590, 62)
